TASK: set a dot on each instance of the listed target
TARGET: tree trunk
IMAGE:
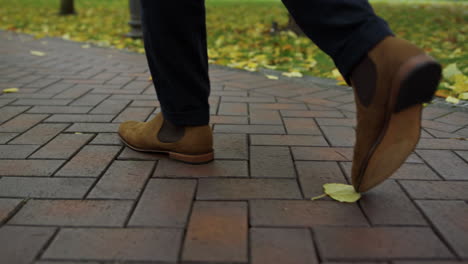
(67, 7)
(292, 25)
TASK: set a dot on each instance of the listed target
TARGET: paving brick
(304, 213)
(208, 239)
(128, 244)
(250, 129)
(228, 119)
(72, 213)
(434, 112)
(449, 217)
(16, 151)
(339, 136)
(5, 101)
(40, 134)
(388, 205)
(217, 168)
(440, 190)
(21, 123)
(133, 113)
(247, 189)
(232, 109)
(5, 137)
(278, 106)
(245, 99)
(463, 154)
(446, 163)
(265, 117)
(316, 113)
(89, 100)
(271, 162)
(110, 106)
(440, 126)
(130, 154)
(73, 93)
(122, 180)
(321, 153)
(442, 143)
(106, 139)
(44, 187)
(455, 118)
(431, 262)
(47, 102)
(379, 243)
(230, 146)
(62, 147)
(313, 174)
(288, 140)
(29, 167)
(21, 245)
(351, 122)
(407, 171)
(75, 118)
(301, 126)
(279, 245)
(90, 161)
(8, 112)
(59, 110)
(93, 128)
(7, 207)
(164, 203)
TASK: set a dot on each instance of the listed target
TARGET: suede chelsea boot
(191, 144)
(390, 84)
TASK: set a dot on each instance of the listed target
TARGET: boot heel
(192, 159)
(418, 78)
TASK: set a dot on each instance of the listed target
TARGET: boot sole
(186, 158)
(415, 83)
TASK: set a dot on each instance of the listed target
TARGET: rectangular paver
(7, 207)
(164, 203)
(280, 245)
(62, 147)
(73, 213)
(90, 161)
(440, 190)
(379, 243)
(450, 219)
(217, 168)
(271, 162)
(313, 174)
(208, 239)
(16, 151)
(245, 189)
(122, 180)
(44, 187)
(288, 140)
(21, 245)
(39, 134)
(447, 163)
(22, 123)
(304, 213)
(29, 167)
(230, 146)
(127, 244)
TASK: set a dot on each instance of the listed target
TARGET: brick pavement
(71, 193)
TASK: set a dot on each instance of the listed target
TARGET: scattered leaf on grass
(37, 53)
(340, 192)
(452, 100)
(271, 77)
(450, 71)
(292, 74)
(10, 90)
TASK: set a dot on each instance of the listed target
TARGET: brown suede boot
(390, 85)
(191, 144)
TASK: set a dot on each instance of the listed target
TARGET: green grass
(238, 30)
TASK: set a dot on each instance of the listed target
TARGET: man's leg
(391, 79)
(175, 43)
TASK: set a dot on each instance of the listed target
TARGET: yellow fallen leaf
(450, 71)
(463, 96)
(85, 46)
(271, 77)
(150, 78)
(292, 74)
(452, 100)
(341, 192)
(78, 133)
(10, 90)
(342, 83)
(37, 53)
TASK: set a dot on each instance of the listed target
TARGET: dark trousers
(175, 43)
